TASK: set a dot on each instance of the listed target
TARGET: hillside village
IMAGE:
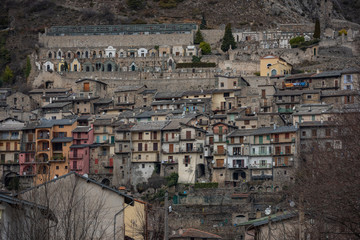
(128, 107)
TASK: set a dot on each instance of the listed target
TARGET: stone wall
(150, 40)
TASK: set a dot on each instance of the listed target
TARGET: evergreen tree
(203, 22)
(317, 29)
(228, 39)
(135, 4)
(198, 37)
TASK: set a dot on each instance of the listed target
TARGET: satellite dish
(268, 211)
(292, 204)
(85, 175)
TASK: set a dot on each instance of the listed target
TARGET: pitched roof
(61, 139)
(175, 123)
(129, 88)
(327, 74)
(89, 79)
(274, 218)
(241, 132)
(149, 126)
(56, 105)
(194, 233)
(168, 95)
(80, 129)
(50, 123)
(128, 199)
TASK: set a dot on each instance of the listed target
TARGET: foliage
(198, 37)
(203, 24)
(172, 180)
(228, 39)
(317, 29)
(27, 69)
(342, 31)
(257, 73)
(135, 4)
(156, 48)
(196, 59)
(196, 65)
(206, 185)
(205, 48)
(4, 52)
(305, 44)
(7, 76)
(168, 4)
(296, 41)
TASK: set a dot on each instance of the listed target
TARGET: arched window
(110, 55)
(170, 63)
(47, 67)
(121, 54)
(78, 54)
(69, 55)
(94, 54)
(273, 72)
(50, 55)
(269, 65)
(87, 54)
(59, 54)
(109, 67)
(133, 68)
(87, 68)
(75, 68)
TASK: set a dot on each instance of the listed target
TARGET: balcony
(285, 110)
(282, 153)
(171, 161)
(27, 147)
(191, 150)
(262, 166)
(238, 166)
(223, 152)
(43, 149)
(43, 135)
(261, 154)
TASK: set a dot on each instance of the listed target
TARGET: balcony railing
(43, 149)
(43, 135)
(75, 156)
(191, 150)
(261, 177)
(285, 110)
(217, 152)
(256, 166)
(261, 154)
(238, 166)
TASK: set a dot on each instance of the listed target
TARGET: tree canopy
(228, 39)
(205, 48)
(198, 37)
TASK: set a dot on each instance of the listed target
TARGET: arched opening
(87, 68)
(109, 67)
(110, 55)
(106, 182)
(50, 55)
(78, 54)
(133, 68)
(11, 181)
(59, 54)
(121, 54)
(200, 170)
(75, 68)
(69, 55)
(269, 65)
(99, 66)
(100, 54)
(28, 170)
(273, 72)
(94, 54)
(47, 67)
(42, 157)
(87, 54)
(170, 63)
(62, 67)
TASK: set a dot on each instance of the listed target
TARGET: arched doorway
(273, 72)
(109, 67)
(133, 68)
(11, 181)
(106, 182)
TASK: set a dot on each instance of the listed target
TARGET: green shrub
(196, 65)
(135, 4)
(296, 41)
(172, 180)
(206, 185)
(167, 4)
(205, 48)
(198, 37)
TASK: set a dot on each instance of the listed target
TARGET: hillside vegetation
(22, 20)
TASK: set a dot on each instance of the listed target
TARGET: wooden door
(30, 137)
(188, 134)
(7, 146)
(166, 137)
(219, 162)
(220, 149)
(86, 87)
(171, 148)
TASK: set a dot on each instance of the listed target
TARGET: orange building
(53, 141)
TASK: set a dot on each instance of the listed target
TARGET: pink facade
(79, 154)
(27, 163)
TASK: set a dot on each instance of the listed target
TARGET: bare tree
(327, 189)
(81, 211)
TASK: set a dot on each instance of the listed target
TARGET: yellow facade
(135, 220)
(218, 100)
(273, 65)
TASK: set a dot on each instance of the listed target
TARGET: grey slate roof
(80, 129)
(56, 105)
(168, 95)
(129, 88)
(295, 92)
(50, 123)
(104, 101)
(149, 126)
(327, 74)
(241, 132)
(279, 129)
(89, 79)
(175, 123)
(50, 90)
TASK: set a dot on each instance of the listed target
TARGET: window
(309, 96)
(287, 135)
(314, 133)
(155, 146)
(303, 133)
(187, 159)
(139, 146)
(287, 149)
(140, 135)
(226, 94)
(61, 126)
(328, 132)
(246, 122)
